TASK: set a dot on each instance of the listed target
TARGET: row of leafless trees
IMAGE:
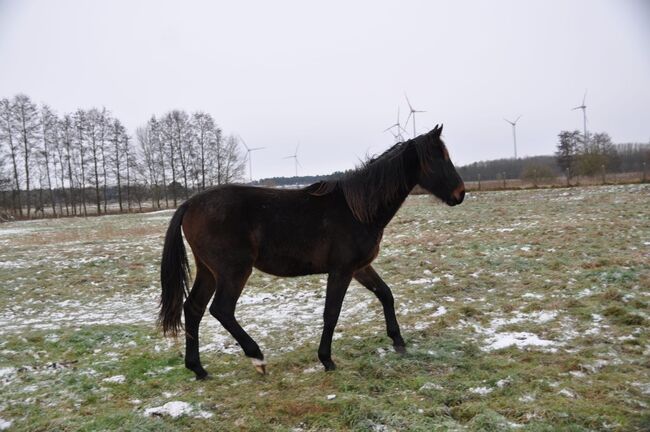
(87, 162)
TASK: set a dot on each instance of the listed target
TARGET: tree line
(82, 162)
(575, 156)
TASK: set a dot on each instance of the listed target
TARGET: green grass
(78, 301)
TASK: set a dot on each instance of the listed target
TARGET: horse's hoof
(400, 349)
(260, 366)
(204, 377)
(329, 366)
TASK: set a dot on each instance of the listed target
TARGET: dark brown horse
(332, 227)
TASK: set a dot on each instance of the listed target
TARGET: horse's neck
(387, 210)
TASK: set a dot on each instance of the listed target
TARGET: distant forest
(615, 158)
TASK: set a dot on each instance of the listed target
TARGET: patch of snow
(423, 281)
(176, 409)
(481, 390)
(331, 396)
(440, 311)
(518, 339)
(5, 424)
(527, 398)
(533, 295)
(7, 371)
(567, 393)
(504, 382)
(430, 386)
(117, 379)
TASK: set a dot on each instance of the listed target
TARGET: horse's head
(436, 172)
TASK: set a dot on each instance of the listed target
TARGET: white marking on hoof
(260, 365)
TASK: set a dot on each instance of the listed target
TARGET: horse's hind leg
(371, 280)
(194, 307)
(229, 287)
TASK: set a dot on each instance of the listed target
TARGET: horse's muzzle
(457, 196)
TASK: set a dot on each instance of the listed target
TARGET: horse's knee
(218, 313)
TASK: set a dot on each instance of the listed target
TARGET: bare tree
(158, 142)
(150, 169)
(27, 124)
(203, 134)
(59, 163)
(66, 128)
(232, 163)
(167, 135)
(103, 125)
(7, 136)
(93, 125)
(80, 123)
(117, 137)
(129, 163)
(183, 142)
(49, 134)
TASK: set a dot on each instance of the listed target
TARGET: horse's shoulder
(321, 188)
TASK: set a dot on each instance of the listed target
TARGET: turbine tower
(514, 132)
(411, 113)
(294, 156)
(397, 135)
(583, 107)
(248, 156)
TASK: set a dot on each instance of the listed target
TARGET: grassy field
(523, 310)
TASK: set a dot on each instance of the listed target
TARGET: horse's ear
(437, 130)
(440, 129)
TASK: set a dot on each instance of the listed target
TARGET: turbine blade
(408, 101)
(408, 118)
(244, 142)
(517, 119)
(256, 148)
(584, 98)
(287, 157)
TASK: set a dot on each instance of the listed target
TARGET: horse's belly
(280, 265)
(292, 259)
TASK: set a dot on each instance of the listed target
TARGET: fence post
(479, 181)
(602, 168)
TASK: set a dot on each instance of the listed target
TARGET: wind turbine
(411, 113)
(294, 156)
(398, 136)
(248, 155)
(514, 132)
(583, 107)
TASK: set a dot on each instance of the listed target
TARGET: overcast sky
(331, 75)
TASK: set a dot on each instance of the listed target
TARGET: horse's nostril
(459, 194)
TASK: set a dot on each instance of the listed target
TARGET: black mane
(380, 179)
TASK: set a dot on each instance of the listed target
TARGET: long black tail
(174, 276)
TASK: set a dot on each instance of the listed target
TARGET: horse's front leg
(337, 285)
(371, 280)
